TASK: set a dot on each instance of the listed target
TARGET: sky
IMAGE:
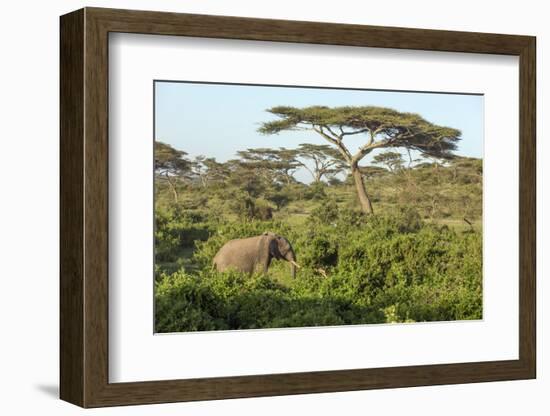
(217, 120)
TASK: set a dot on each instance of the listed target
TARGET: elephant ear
(273, 245)
(283, 245)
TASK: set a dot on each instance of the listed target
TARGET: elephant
(249, 255)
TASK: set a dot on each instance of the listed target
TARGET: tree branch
(345, 152)
(334, 135)
(351, 133)
(369, 147)
(308, 169)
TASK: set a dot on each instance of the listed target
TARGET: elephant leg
(266, 265)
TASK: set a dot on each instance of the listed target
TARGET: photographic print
(288, 206)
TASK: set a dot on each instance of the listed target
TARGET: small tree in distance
(272, 164)
(171, 165)
(208, 170)
(327, 161)
(392, 160)
(378, 127)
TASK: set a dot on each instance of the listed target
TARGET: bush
(178, 228)
(325, 213)
(386, 268)
(316, 191)
(212, 301)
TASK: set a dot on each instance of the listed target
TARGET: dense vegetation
(418, 258)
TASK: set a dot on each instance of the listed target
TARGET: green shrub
(389, 268)
(178, 228)
(325, 213)
(230, 301)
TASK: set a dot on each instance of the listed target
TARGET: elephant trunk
(291, 258)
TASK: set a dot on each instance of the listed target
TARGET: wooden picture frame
(84, 207)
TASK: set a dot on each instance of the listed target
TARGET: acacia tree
(246, 177)
(172, 165)
(208, 170)
(327, 161)
(378, 127)
(288, 164)
(392, 160)
(272, 164)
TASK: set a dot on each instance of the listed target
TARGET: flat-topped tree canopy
(276, 160)
(169, 159)
(381, 127)
(171, 164)
(385, 127)
(392, 160)
(322, 151)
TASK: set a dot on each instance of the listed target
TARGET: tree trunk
(318, 176)
(172, 188)
(364, 200)
(174, 191)
(288, 177)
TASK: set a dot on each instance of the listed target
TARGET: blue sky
(217, 120)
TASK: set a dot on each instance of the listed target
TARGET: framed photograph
(255, 207)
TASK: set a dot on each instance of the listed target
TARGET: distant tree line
(376, 128)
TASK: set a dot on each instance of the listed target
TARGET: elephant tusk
(295, 264)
